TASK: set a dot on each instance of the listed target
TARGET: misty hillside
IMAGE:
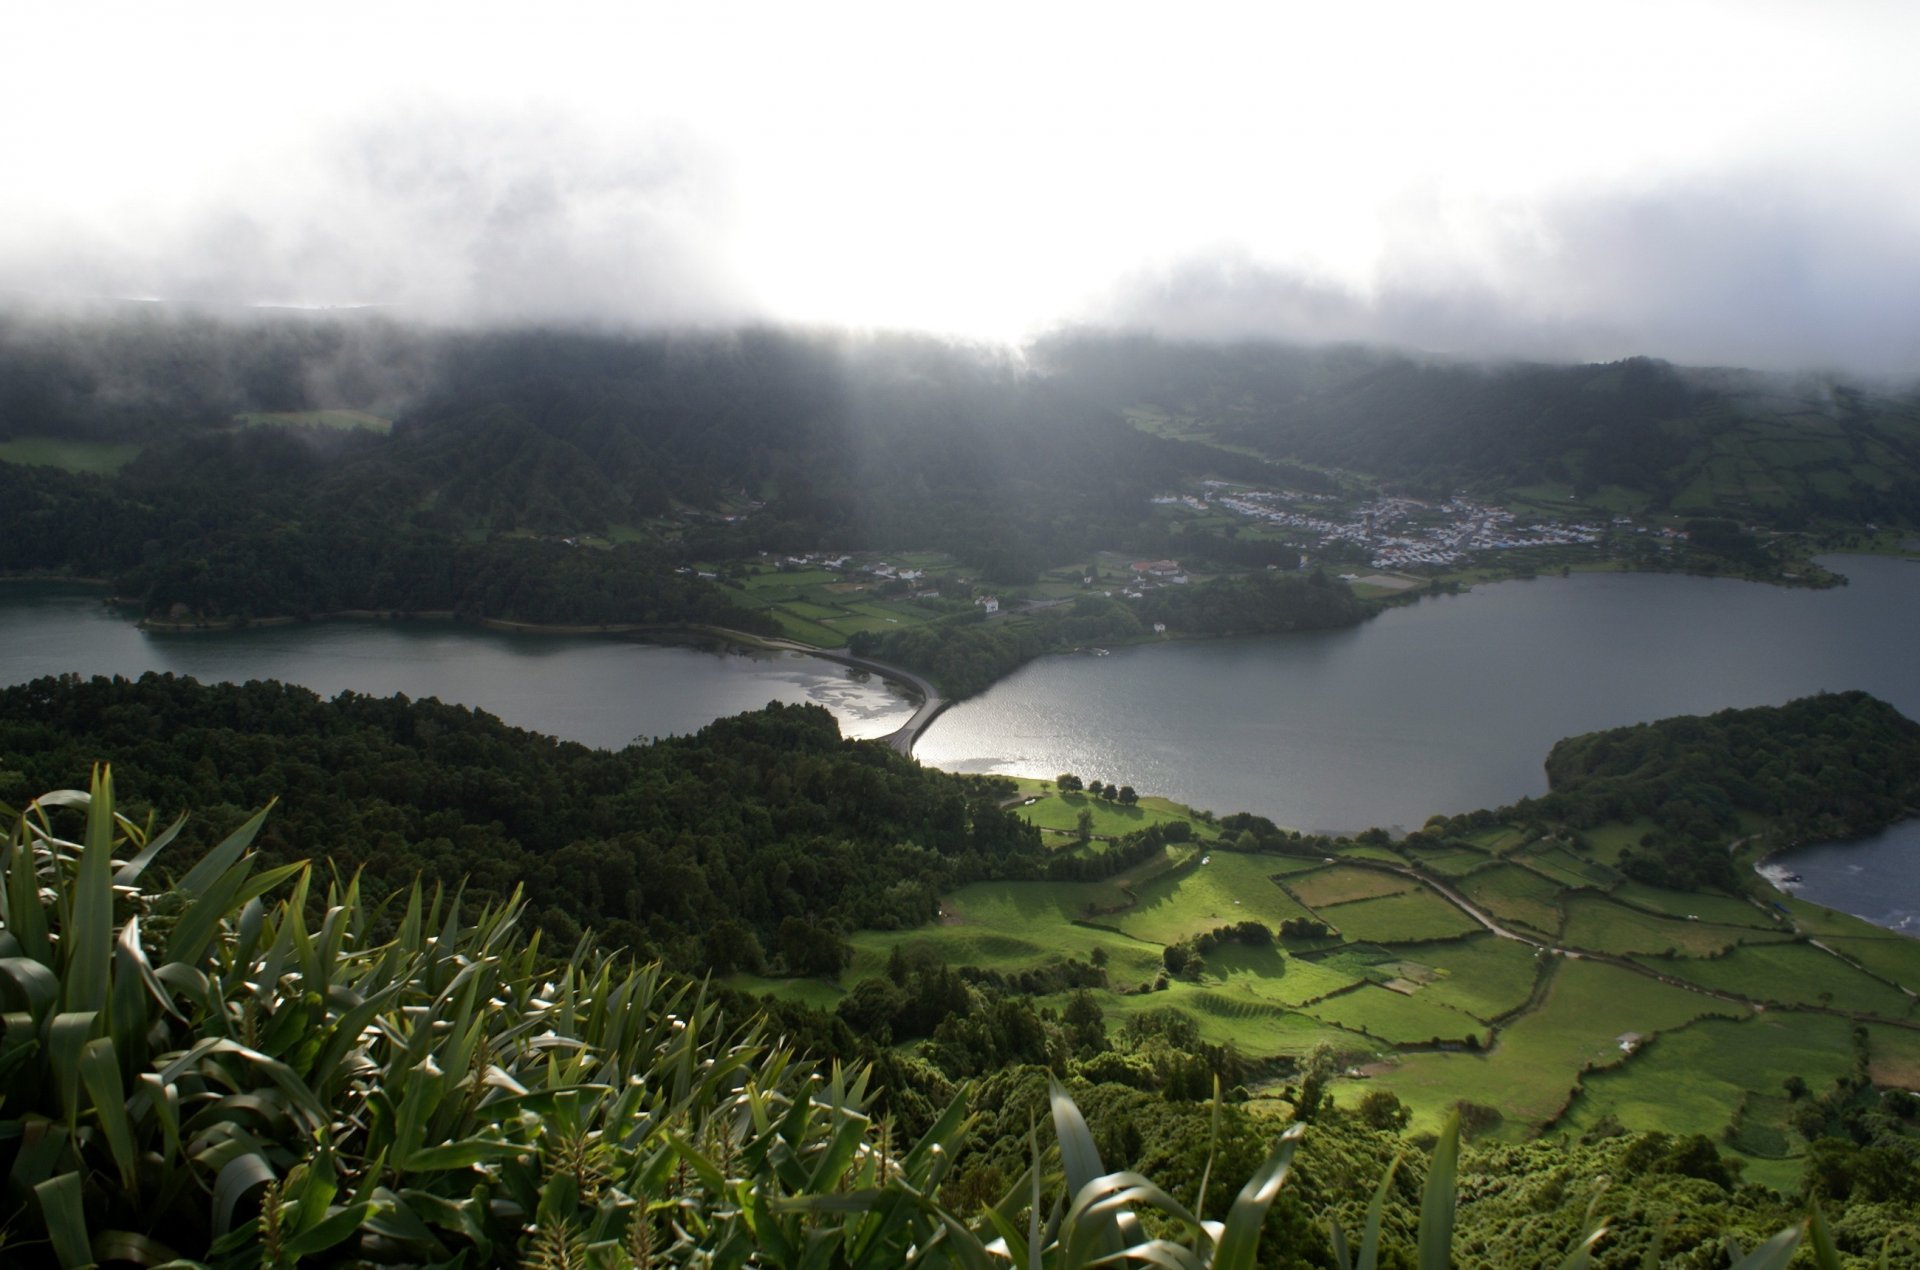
(313, 464)
(1776, 448)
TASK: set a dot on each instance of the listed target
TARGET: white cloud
(987, 168)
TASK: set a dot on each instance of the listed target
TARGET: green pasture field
(1342, 884)
(1288, 865)
(811, 612)
(1536, 1064)
(1451, 861)
(1607, 841)
(1409, 917)
(343, 419)
(1062, 811)
(1267, 974)
(1893, 1056)
(1513, 894)
(1791, 974)
(96, 458)
(1895, 957)
(807, 632)
(1396, 1019)
(1568, 869)
(1596, 922)
(1484, 976)
(1698, 1079)
(1233, 887)
(1252, 1025)
(1499, 840)
(1724, 909)
(1368, 851)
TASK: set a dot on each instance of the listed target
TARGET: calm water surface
(1446, 705)
(1443, 706)
(1877, 878)
(603, 691)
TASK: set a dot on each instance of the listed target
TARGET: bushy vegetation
(233, 1069)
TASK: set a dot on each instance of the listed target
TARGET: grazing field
(1484, 976)
(1395, 1018)
(342, 419)
(1895, 957)
(1231, 887)
(1515, 895)
(1537, 1062)
(1270, 975)
(1597, 923)
(1252, 1025)
(1792, 974)
(1452, 861)
(1568, 869)
(98, 458)
(1410, 917)
(1724, 909)
(1721, 1078)
(1061, 812)
(1893, 1056)
(1342, 884)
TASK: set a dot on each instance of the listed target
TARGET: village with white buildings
(1395, 533)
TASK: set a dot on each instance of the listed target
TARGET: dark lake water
(1877, 878)
(603, 691)
(1444, 706)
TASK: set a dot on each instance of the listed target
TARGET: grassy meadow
(1616, 1003)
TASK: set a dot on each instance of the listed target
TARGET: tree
(1127, 796)
(1067, 782)
(1083, 825)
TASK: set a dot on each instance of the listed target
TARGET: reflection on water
(603, 691)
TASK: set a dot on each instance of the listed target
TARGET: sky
(1711, 182)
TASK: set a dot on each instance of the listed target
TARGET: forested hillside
(1635, 434)
(287, 466)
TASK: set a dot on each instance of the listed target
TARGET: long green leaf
(1773, 1254)
(238, 1176)
(86, 935)
(1239, 1241)
(1437, 1203)
(217, 861)
(64, 1211)
(100, 1069)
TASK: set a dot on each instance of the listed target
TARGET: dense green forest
(1778, 449)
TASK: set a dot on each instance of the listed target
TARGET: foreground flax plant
(225, 1070)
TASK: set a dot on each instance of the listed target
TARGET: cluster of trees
(1833, 765)
(965, 654)
(757, 844)
(1125, 795)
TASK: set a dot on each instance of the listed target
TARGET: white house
(991, 603)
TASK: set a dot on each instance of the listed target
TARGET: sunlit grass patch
(1411, 916)
(1231, 887)
(1598, 923)
(1893, 1056)
(1396, 1018)
(1792, 974)
(1343, 884)
(1515, 895)
(1724, 909)
(1485, 976)
(1720, 1076)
